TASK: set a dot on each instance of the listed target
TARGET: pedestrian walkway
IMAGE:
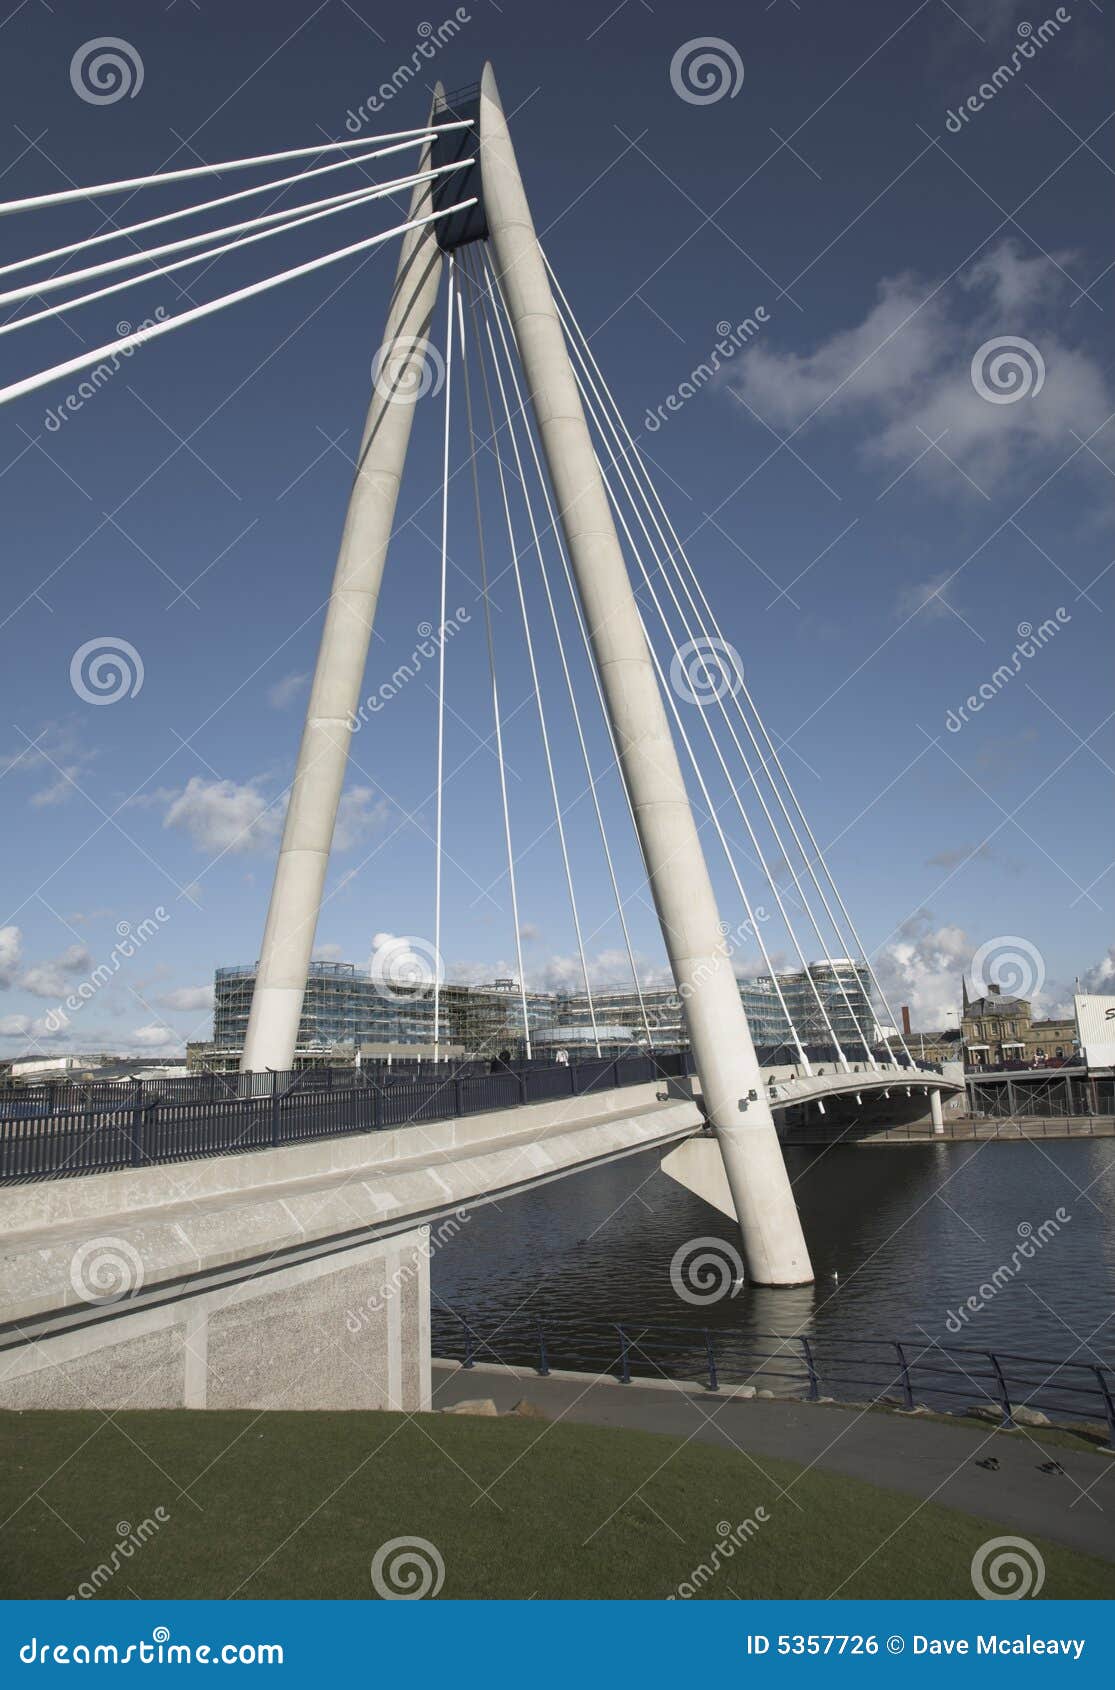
(921, 1457)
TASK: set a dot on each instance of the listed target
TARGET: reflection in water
(901, 1236)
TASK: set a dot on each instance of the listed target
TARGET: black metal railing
(923, 1132)
(901, 1373)
(100, 1126)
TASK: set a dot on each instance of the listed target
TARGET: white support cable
(127, 230)
(369, 192)
(140, 337)
(667, 692)
(708, 726)
(500, 312)
(681, 552)
(415, 137)
(340, 202)
(713, 814)
(661, 558)
(441, 654)
(474, 467)
(534, 675)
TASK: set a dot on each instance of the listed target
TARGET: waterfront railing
(911, 1374)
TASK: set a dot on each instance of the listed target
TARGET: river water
(901, 1236)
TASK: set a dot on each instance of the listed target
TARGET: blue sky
(872, 529)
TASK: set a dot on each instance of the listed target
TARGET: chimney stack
(906, 1028)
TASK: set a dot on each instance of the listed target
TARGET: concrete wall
(292, 1277)
(349, 1330)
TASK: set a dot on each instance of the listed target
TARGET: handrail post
(907, 1393)
(624, 1359)
(1003, 1392)
(713, 1377)
(276, 1109)
(814, 1380)
(543, 1359)
(138, 1115)
(1109, 1407)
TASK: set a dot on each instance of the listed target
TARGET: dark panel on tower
(456, 185)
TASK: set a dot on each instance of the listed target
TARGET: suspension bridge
(205, 1259)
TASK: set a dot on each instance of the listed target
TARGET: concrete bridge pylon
(735, 1100)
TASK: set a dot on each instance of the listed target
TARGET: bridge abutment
(343, 1331)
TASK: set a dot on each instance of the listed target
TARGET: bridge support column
(734, 1095)
(334, 699)
(937, 1112)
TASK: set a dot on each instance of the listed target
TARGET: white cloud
(1101, 977)
(284, 692)
(57, 755)
(236, 816)
(906, 371)
(329, 953)
(957, 856)
(11, 951)
(924, 966)
(154, 1037)
(186, 997)
(33, 1031)
(930, 598)
(359, 815)
(222, 815)
(50, 979)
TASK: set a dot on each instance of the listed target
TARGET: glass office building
(345, 1008)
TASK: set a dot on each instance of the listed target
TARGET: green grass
(296, 1505)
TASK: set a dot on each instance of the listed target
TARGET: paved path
(922, 1458)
